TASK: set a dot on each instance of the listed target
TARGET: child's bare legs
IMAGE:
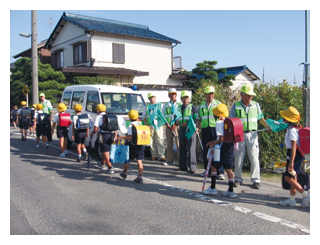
(63, 144)
(106, 159)
(294, 185)
(140, 167)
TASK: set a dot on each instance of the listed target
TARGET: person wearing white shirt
(42, 128)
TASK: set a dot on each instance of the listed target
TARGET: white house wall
(241, 80)
(142, 55)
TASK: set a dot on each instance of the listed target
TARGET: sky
(271, 43)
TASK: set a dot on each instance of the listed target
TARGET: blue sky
(273, 40)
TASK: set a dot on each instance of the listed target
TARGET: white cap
(172, 90)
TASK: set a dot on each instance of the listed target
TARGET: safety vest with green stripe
(207, 118)
(250, 120)
(186, 114)
(45, 108)
(168, 110)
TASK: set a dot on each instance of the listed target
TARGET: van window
(66, 98)
(92, 101)
(77, 98)
(122, 103)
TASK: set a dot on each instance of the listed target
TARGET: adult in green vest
(47, 108)
(187, 109)
(207, 121)
(156, 136)
(250, 113)
(171, 130)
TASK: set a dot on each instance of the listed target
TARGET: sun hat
(184, 93)
(172, 91)
(41, 94)
(291, 114)
(101, 107)
(39, 106)
(15, 106)
(62, 107)
(221, 110)
(133, 114)
(77, 107)
(247, 89)
(209, 89)
(23, 103)
(34, 106)
(151, 94)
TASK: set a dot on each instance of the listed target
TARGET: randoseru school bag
(64, 119)
(303, 179)
(109, 122)
(304, 141)
(43, 119)
(83, 122)
(25, 112)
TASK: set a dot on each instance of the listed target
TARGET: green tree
(94, 80)
(49, 81)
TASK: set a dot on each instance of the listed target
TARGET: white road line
(216, 201)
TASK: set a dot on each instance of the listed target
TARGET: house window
(59, 59)
(80, 53)
(118, 53)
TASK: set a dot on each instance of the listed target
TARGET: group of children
(290, 116)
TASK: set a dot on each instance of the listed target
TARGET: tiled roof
(115, 27)
(236, 70)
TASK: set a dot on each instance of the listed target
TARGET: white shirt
(220, 128)
(291, 134)
(130, 126)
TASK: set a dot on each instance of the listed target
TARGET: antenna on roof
(50, 23)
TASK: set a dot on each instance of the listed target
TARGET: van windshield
(117, 103)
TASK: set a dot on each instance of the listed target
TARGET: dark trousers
(185, 146)
(208, 134)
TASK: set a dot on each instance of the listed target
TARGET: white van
(89, 96)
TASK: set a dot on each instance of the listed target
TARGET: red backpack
(64, 119)
(304, 140)
(233, 130)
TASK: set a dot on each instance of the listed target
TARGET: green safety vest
(207, 118)
(168, 109)
(45, 108)
(249, 121)
(186, 114)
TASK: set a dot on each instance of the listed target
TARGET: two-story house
(131, 53)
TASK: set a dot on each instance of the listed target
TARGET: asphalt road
(50, 195)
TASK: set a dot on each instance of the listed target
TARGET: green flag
(158, 120)
(152, 109)
(277, 126)
(175, 114)
(191, 127)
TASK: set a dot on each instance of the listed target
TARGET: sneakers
(102, 166)
(37, 145)
(79, 159)
(46, 145)
(165, 163)
(66, 152)
(168, 163)
(256, 185)
(221, 177)
(288, 202)
(236, 184)
(110, 170)
(210, 191)
(305, 201)
(228, 194)
(138, 180)
(123, 175)
(62, 155)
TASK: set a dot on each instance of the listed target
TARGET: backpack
(109, 122)
(24, 112)
(32, 113)
(304, 141)
(43, 119)
(64, 119)
(14, 112)
(233, 130)
(83, 122)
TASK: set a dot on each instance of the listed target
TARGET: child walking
(79, 135)
(138, 149)
(226, 155)
(107, 139)
(294, 157)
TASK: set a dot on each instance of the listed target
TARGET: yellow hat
(133, 114)
(221, 110)
(151, 94)
(247, 89)
(15, 106)
(122, 101)
(291, 114)
(39, 106)
(209, 89)
(34, 106)
(101, 107)
(184, 93)
(77, 107)
(62, 107)
(23, 103)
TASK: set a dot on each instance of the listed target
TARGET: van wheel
(98, 149)
(69, 143)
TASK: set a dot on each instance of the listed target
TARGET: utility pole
(306, 72)
(34, 57)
